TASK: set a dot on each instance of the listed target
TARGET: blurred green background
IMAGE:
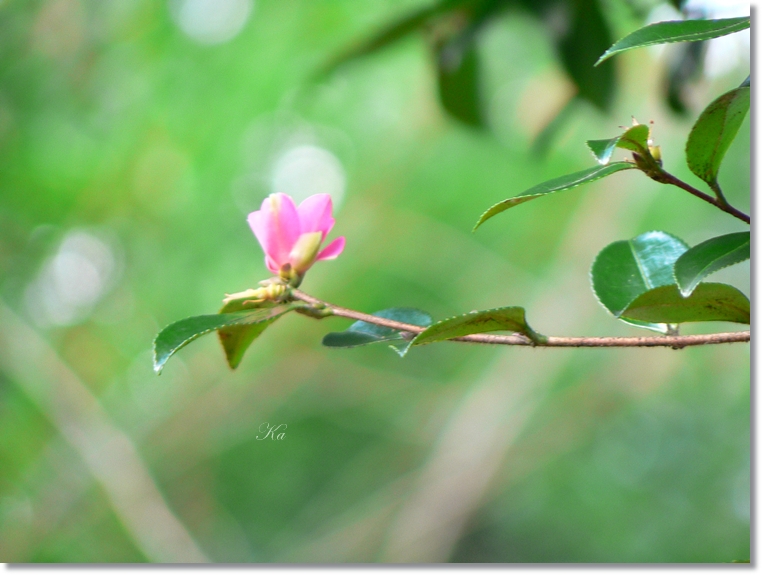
(135, 136)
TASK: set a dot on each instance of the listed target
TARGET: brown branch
(719, 202)
(673, 341)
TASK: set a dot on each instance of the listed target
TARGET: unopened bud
(655, 153)
(305, 251)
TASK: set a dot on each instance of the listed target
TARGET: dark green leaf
(634, 139)
(501, 319)
(710, 256)
(676, 31)
(587, 35)
(624, 270)
(459, 88)
(714, 131)
(181, 333)
(556, 185)
(685, 67)
(708, 302)
(395, 31)
(363, 333)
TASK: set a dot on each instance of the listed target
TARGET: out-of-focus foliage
(135, 136)
(578, 30)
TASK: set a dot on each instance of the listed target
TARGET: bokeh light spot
(306, 170)
(211, 21)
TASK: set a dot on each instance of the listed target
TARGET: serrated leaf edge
(598, 299)
(713, 272)
(609, 53)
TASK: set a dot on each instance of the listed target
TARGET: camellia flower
(291, 236)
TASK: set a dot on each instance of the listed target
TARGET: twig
(673, 341)
(719, 202)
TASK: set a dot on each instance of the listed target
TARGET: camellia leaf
(236, 339)
(390, 34)
(501, 319)
(708, 302)
(710, 256)
(363, 333)
(458, 77)
(624, 270)
(634, 139)
(585, 36)
(715, 130)
(556, 185)
(676, 31)
(181, 333)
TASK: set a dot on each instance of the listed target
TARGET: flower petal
(271, 265)
(276, 226)
(332, 250)
(315, 214)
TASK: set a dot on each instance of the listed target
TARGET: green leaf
(556, 185)
(458, 76)
(624, 270)
(501, 319)
(708, 302)
(236, 339)
(634, 139)
(585, 36)
(710, 256)
(714, 131)
(676, 31)
(390, 34)
(181, 333)
(685, 67)
(363, 333)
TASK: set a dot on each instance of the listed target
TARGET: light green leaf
(501, 319)
(710, 256)
(708, 302)
(714, 131)
(363, 333)
(236, 339)
(624, 270)
(556, 185)
(181, 333)
(676, 31)
(634, 139)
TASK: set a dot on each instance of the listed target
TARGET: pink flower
(291, 236)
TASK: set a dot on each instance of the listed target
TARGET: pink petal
(315, 214)
(332, 250)
(271, 265)
(276, 226)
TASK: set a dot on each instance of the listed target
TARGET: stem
(719, 202)
(718, 192)
(673, 341)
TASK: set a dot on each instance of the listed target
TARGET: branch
(673, 341)
(719, 202)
